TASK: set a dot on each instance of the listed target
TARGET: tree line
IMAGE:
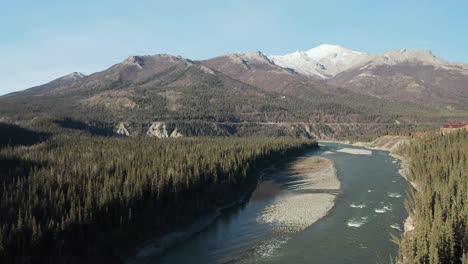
(438, 165)
(78, 195)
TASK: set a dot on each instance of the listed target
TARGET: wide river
(358, 229)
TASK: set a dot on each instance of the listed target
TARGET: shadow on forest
(82, 126)
(14, 167)
(13, 135)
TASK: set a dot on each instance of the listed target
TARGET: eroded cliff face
(121, 129)
(390, 143)
(176, 134)
(159, 130)
(163, 130)
(214, 129)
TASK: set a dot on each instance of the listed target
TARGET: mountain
(158, 87)
(54, 86)
(259, 70)
(415, 76)
(408, 75)
(235, 87)
(247, 93)
(324, 61)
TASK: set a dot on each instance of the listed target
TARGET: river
(357, 230)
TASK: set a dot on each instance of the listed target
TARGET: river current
(369, 209)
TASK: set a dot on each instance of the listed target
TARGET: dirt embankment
(389, 143)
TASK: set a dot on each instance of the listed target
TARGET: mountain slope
(256, 69)
(410, 76)
(148, 88)
(234, 94)
(415, 76)
(53, 86)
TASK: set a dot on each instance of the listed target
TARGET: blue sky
(43, 40)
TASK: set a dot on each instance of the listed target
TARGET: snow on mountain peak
(250, 57)
(300, 62)
(336, 58)
(74, 76)
(324, 61)
(334, 52)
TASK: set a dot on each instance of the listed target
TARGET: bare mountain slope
(235, 88)
(415, 76)
(410, 76)
(256, 69)
(166, 87)
(53, 86)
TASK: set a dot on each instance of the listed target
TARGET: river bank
(387, 143)
(366, 214)
(154, 248)
(265, 189)
(310, 194)
(278, 224)
(390, 144)
(288, 199)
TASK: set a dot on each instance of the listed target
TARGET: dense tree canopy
(438, 165)
(82, 195)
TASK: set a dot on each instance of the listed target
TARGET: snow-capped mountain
(416, 76)
(74, 75)
(301, 63)
(409, 75)
(423, 57)
(324, 61)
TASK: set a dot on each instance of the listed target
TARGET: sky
(43, 40)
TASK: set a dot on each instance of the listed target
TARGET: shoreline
(298, 171)
(156, 247)
(312, 194)
(408, 224)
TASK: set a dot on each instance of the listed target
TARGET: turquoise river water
(369, 209)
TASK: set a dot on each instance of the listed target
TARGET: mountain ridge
(251, 88)
(314, 58)
(314, 66)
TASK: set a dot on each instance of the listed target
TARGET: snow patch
(324, 61)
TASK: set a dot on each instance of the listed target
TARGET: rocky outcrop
(135, 60)
(176, 134)
(158, 130)
(323, 131)
(163, 130)
(122, 130)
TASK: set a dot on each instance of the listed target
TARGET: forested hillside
(438, 165)
(237, 89)
(76, 195)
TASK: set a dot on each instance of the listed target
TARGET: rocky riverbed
(311, 190)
